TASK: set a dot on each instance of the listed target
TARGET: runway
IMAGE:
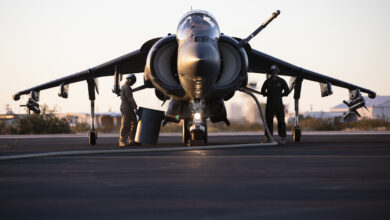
(326, 176)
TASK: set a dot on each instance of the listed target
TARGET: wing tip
(372, 95)
(16, 97)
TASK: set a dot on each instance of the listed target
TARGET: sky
(43, 40)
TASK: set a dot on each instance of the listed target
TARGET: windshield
(197, 24)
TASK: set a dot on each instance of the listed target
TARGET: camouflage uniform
(129, 118)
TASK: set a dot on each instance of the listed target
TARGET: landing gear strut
(195, 129)
(198, 136)
(92, 86)
(92, 134)
(194, 136)
(296, 132)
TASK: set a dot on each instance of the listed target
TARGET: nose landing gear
(195, 129)
(193, 136)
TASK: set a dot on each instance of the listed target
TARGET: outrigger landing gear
(92, 86)
(92, 134)
(296, 132)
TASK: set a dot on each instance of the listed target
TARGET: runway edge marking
(143, 150)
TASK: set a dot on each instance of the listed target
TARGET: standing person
(128, 109)
(274, 88)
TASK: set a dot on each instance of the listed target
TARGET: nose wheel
(195, 137)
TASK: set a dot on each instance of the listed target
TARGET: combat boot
(282, 141)
(123, 144)
(266, 140)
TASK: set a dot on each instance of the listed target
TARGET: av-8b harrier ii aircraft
(196, 70)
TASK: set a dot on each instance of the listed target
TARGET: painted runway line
(143, 150)
(260, 133)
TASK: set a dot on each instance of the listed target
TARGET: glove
(138, 111)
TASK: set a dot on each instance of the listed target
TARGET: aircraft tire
(92, 137)
(197, 138)
(296, 134)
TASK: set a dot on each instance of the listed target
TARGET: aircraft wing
(260, 63)
(133, 62)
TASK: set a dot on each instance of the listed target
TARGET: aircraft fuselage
(198, 58)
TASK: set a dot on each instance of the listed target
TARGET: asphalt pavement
(326, 176)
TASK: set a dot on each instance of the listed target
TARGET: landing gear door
(291, 83)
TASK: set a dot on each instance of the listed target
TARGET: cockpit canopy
(197, 23)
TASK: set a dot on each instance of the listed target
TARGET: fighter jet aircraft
(196, 70)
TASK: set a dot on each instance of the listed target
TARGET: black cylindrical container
(149, 124)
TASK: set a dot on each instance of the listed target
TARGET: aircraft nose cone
(198, 67)
(200, 59)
